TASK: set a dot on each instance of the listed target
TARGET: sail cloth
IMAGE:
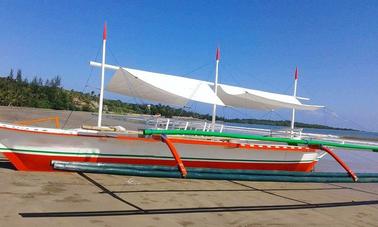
(161, 87)
(255, 99)
(177, 90)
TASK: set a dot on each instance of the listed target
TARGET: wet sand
(74, 199)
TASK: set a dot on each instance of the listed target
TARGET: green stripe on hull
(59, 153)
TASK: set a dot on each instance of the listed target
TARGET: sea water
(336, 132)
(360, 161)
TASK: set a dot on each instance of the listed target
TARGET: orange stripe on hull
(32, 162)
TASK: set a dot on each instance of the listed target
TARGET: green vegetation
(49, 94)
(41, 94)
(284, 123)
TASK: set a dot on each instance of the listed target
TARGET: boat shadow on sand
(196, 210)
(137, 210)
(5, 164)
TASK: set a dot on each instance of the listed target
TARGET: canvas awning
(178, 90)
(255, 99)
(161, 87)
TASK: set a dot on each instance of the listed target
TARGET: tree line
(18, 91)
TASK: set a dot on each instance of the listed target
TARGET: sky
(333, 44)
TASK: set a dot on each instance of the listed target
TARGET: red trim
(242, 146)
(32, 162)
(14, 159)
(152, 139)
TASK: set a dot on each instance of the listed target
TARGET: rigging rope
(138, 101)
(83, 90)
(334, 114)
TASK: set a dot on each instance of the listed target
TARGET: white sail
(255, 99)
(161, 87)
(178, 90)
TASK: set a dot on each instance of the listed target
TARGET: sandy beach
(77, 199)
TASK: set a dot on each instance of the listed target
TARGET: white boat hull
(33, 149)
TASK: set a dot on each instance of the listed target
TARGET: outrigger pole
(295, 95)
(289, 141)
(217, 57)
(100, 105)
(316, 144)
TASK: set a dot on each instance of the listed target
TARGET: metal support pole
(217, 56)
(100, 105)
(295, 95)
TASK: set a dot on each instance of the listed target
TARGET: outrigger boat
(37, 149)
(33, 148)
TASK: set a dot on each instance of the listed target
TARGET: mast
(295, 95)
(100, 105)
(217, 57)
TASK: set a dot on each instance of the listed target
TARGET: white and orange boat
(34, 148)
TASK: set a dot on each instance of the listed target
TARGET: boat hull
(34, 150)
(27, 162)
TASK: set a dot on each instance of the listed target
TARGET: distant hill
(17, 91)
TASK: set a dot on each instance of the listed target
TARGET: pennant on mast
(104, 32)
(217, 55)
(296, 73)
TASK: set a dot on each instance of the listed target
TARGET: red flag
(217, 55)
(296, 73)
(104, 33)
